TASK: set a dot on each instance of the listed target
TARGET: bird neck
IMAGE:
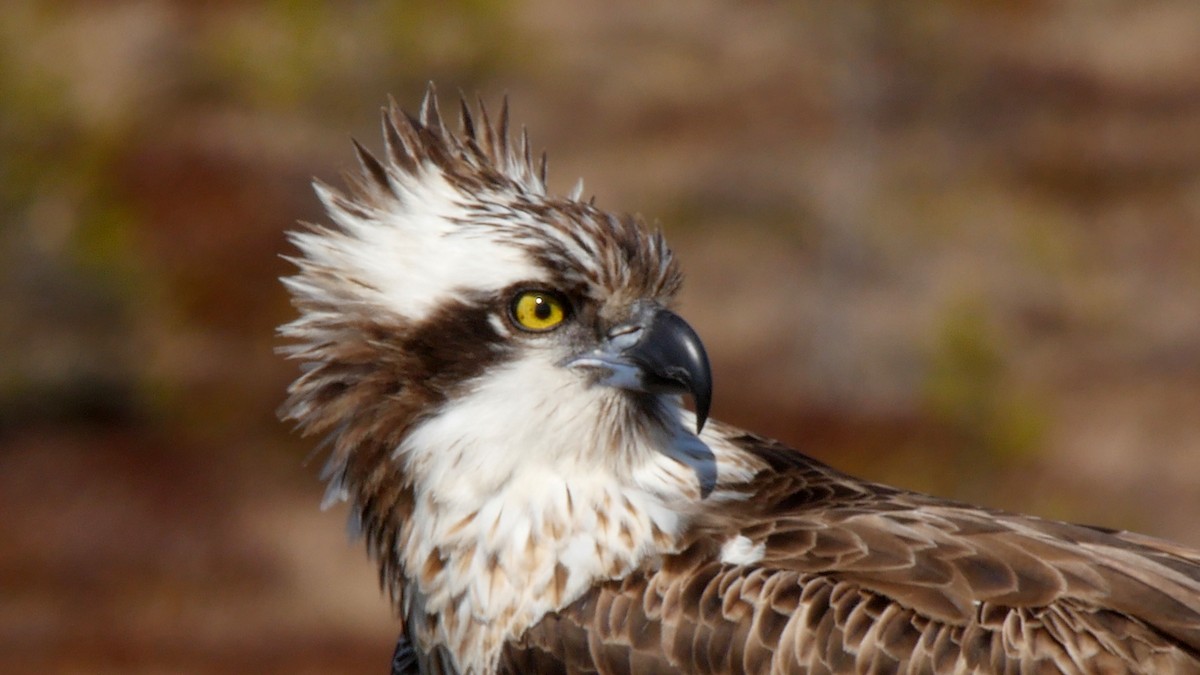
(479, 574)
(513, 520)
(490, 511)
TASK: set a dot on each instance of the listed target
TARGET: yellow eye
(538, 310)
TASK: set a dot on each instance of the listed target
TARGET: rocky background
(953, 245)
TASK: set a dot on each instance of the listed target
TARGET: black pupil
(542, 309)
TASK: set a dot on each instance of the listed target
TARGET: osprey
(500, 379)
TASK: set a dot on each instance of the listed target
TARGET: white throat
(513, 519)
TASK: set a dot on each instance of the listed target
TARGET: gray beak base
(660, 355)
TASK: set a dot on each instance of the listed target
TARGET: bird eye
(538, 311)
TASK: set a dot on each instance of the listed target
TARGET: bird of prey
(501, 382)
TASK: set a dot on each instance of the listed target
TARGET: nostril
(625, 335)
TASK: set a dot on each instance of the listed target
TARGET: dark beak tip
(671, 350)
(702, 404)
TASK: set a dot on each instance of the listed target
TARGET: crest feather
(481, 150)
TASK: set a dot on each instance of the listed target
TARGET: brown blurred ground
(954, 246)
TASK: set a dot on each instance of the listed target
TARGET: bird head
(456, 318)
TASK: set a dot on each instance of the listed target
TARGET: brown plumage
(857, 577)
(538, 501)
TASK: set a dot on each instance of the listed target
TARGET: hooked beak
(659, 354)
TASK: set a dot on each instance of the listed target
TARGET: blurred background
(952, 245)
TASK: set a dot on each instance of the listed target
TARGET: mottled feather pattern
(857, 577)
(525, 521)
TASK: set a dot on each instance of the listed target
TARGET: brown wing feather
(857, 577)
